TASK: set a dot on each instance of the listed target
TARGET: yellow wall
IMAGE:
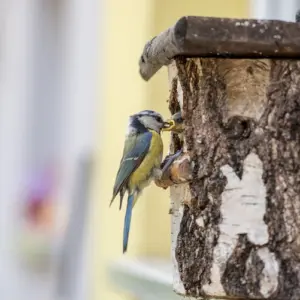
(128, 26)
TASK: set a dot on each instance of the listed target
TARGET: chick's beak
(168, 125)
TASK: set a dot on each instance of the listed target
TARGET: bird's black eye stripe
(158, 119)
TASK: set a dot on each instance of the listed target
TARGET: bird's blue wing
(135, 149)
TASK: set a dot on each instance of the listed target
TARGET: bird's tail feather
(112, 198)
(122, 192)
(127, 221)
(111, 201)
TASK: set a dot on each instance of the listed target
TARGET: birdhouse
(235, 187)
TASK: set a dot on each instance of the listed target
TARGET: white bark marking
(245, 93)
(180, 94)
(269, 276)
(243, 207)
(177, 193)
(200, 222)
(244, 202)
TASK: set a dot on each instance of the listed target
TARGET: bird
(140, 163)
(175, 125)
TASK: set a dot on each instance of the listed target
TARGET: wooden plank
(220, 37)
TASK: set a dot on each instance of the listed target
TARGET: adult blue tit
(140, 162)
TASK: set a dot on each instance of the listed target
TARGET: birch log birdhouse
(236, 217)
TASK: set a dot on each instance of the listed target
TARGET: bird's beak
(168, 125)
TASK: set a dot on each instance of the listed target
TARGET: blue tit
(176, 123)
(140, 162)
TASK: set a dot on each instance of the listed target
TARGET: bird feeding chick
(176, 125)
(141, 160)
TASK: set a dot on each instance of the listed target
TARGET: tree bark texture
(236, 225)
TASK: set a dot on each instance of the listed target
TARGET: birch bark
(236, 225)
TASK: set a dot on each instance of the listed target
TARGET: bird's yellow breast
(142, 175)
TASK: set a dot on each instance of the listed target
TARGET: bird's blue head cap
(145, 120)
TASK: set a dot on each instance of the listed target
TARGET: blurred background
(68, 82)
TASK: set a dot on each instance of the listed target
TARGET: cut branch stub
(236, 224)
(177, 172)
